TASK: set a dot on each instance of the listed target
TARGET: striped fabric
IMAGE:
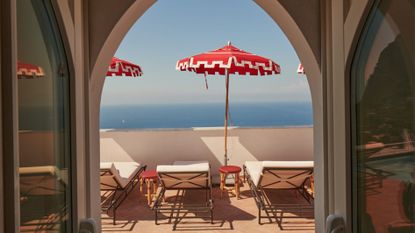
(119, 67)
(228, 58)
(300, 69)
(25, 70)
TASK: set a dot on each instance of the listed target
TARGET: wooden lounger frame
(207, 207)
(119, 193)
(268, 210)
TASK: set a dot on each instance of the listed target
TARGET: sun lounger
(44, 184)
(41, 180)
(278, 175)
(119, 178)
(184, 175)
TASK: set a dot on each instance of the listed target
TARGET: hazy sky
(174, 29)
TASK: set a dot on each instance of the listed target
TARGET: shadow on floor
(230, 215)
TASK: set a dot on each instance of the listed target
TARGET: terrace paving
(230, 215)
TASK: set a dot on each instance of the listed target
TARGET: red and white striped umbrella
(25, 70)
(224, 61)
(300, 69)
(228, 58)
(119, 67)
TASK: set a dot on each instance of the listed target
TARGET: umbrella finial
(229, 43)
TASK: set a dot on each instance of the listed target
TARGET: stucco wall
(309, 24)
(36, 149)
(153, 147)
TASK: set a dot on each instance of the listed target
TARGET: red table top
(149, 174)
(229, 169)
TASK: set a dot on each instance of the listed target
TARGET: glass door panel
(383, 121)
(44, 120)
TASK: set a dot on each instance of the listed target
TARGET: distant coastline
(188, 116)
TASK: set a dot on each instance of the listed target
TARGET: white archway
(293, 32)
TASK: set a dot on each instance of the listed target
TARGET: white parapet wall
(164, 146)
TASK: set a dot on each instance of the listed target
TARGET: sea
(168, 116)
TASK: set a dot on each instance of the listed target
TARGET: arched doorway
(278, 12)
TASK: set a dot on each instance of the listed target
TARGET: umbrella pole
(226, 117)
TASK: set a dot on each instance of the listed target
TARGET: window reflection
(384, 123)
(43, 100)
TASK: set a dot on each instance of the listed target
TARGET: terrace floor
(230, 215)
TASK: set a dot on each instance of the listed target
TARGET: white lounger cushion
(288, 164)
(254, 169)
(185, 174)
(105, 165)
(45, 170)
(122, 173)
(257, 170)
(41, 180)
(38, 170)
(185, 166)
(191, 162)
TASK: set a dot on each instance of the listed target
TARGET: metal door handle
(335, 224)
(88, 226)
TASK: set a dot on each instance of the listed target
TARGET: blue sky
(174, 29)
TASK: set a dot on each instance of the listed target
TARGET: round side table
(224, 172)
(150, 178)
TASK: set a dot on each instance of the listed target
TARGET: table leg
(237, 185)
(156, 186)
(141, 185)
(222, 184)
(148, 183)
(312, 185)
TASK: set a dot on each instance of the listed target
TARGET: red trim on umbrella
(28, 70)
(300, 69)
(228, 58)
(119, 67)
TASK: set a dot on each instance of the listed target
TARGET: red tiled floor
(230, 215)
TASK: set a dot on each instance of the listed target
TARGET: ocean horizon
(186, 115)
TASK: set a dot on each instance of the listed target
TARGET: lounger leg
(155, 186)
(244, 174)
(279, 222)
(175, 224)
(113, 219)
(156, 217)
(207, 197)
(141, 185)
(157, 204)
(259, 217)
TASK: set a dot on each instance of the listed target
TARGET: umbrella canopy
(300, 69)
(224, 61)
(119, 67)
(231, 59)
(25, 70)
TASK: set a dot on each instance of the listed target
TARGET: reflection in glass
(383, 84)
(43, 99)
